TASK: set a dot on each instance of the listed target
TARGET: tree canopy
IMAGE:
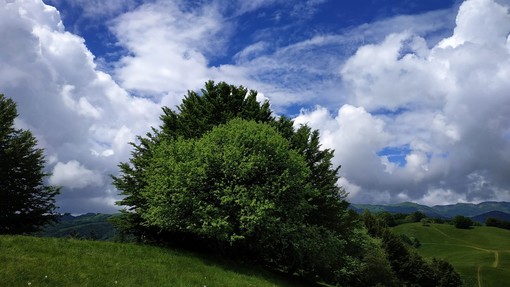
(26, 203)
(241, 188)
(408, 266)
(462, 222)
(224, 172)
(198, 114)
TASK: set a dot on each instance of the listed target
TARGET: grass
(31, 261)
(481, 255)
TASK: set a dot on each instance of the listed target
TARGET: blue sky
(411, 95)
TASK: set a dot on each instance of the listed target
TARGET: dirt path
(496, 253)
(496, 261)
(478, 276)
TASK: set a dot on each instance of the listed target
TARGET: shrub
(462, 222)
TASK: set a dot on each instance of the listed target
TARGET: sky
(413, 96)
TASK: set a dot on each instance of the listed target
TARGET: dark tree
(491, 221)
(444, 274)
(462, 222)
(415, 216)
(409, 267)
(26, 203)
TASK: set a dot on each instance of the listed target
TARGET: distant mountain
(470, 209)
(91, 226)
(481, 218)
(444, 211)
(404, 207)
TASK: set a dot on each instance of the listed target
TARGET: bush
(462, 222)
(444, 273)
(491, 221)
(242, 190)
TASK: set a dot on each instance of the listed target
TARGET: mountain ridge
(442, 211)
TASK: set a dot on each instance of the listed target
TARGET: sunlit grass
(480, 255)
(30, 261)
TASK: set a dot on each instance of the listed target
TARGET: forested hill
(445, 211)
(98, 226)
(95, 226)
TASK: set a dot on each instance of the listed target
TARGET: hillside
(440, 211)
(492, 214)
(32, 261)
(481, 255)
(470, 210)
(90, 226)
(404, 207)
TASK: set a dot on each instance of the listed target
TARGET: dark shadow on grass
(242, 267)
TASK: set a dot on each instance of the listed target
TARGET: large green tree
(243, 190)
(26, 203)
(273, 198)
(198, 114)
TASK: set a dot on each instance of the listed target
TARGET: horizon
(411, 95)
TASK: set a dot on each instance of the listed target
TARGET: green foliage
(216, 105)
(242, 189)
(491, 221)
(59, 262)
(259, 189)
(26, 203)
(462, 222)
(444, 273)
(376, 269)
(410, 241)
(409, 267)
(416, 216)
(198, 114)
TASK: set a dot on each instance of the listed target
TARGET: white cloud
(448, 103)
(251, 51)
(483, 22)
(355, 136)
(441, 197)
(172, 47)
(74, 176)
(74, 110)
(168, 47)
(396, 82)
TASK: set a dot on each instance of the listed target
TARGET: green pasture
(481, 254)
(31, 261)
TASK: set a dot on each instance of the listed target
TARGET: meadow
(32, 261)
(481, 254)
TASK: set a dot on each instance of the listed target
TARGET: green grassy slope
(481, 255)
(31, 261)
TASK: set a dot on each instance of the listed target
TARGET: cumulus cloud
(74, 176)
(80, 116)
(168, 47)
(438, 101)
(173, 47)
(448, 103)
